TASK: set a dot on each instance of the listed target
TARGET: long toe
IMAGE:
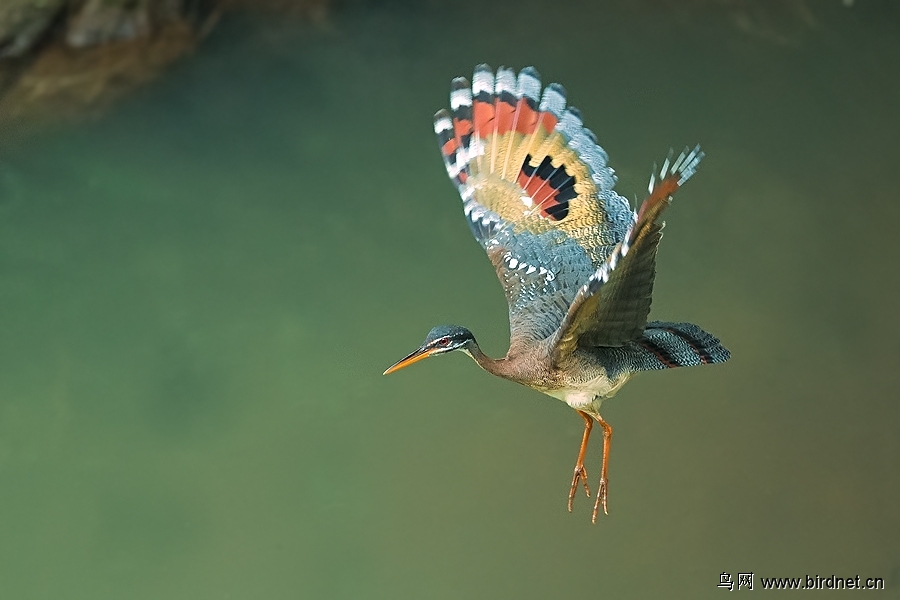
(580, 473)
(601, 500)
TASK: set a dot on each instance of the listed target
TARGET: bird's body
(587, 380)
(587, 376)
(576, 262)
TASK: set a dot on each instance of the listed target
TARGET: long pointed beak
(420, 354)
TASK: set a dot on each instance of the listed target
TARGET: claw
(580, 473)
(601, 499)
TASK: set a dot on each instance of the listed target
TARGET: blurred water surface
(199, 292)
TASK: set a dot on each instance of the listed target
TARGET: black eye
(444, 342)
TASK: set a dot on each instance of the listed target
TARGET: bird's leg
(580, 472)
(601, 491)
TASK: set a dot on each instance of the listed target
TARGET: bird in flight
(577, 263)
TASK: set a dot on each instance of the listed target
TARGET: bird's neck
(494, 367)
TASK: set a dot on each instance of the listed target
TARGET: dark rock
(75, 57)
(103, 21)
(24, 22)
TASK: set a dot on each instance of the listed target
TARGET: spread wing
(611, 308)
(536, 189)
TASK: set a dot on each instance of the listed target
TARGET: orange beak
(415, 357)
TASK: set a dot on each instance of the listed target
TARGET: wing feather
(612, 307)
(536, 188)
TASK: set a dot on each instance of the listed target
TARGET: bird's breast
(586, 394)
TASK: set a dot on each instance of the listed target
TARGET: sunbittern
(576, 262)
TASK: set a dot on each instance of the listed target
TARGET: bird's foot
(580, 473)
(601, 499)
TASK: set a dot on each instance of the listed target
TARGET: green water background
(199, 292)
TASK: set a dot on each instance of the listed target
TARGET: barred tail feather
(668, 345)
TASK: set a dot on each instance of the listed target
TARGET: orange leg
(580, 472)
(601, 491)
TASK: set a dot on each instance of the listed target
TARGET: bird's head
(440, 340)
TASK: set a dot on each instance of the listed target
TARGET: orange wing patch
(518, 152)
